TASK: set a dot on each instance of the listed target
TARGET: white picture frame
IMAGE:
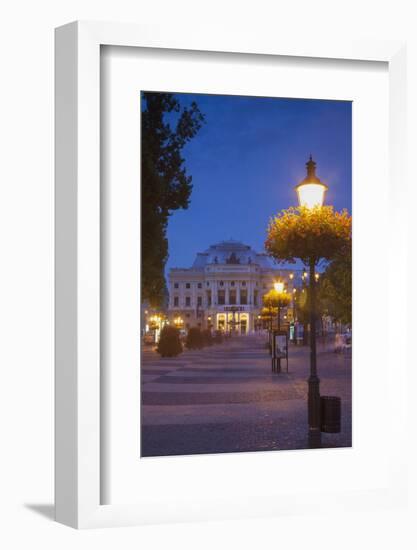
(78, 404)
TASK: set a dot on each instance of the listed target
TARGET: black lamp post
(311, 192)
(282, 301)
(314, 380)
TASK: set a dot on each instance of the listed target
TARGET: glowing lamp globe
(311, 191)
(279, 286)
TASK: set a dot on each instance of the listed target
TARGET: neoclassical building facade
(223, 289)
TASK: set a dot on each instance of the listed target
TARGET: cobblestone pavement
(224, 398)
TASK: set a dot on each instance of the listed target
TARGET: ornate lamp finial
(311, 168)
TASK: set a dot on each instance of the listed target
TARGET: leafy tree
(335, 288)
(195, 338)
(302, 307)
(166, 186)
(169, 344)
(207, 337)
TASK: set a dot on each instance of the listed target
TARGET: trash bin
(331, 414)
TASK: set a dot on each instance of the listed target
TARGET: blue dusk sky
(245, 162)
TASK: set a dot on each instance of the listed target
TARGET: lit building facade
(223, 289)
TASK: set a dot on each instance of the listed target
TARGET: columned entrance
(237, 322)
(244, 323)
(221, 322)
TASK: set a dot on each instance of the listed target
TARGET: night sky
(245, 162)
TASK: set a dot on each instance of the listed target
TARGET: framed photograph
(217, 201)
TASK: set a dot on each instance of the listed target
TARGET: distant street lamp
(282, 299)
(258, 323)
(233, 324)
(279, 287)
(156, 324)
(311, 192)
(179, 322)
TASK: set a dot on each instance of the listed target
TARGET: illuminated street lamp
(279, 286)
(156, 325)
(311, 191)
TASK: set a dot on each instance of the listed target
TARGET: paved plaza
(224, 398)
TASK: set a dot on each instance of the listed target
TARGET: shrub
(218, 337)
(169, 344)
(208, 339)
(194, 338)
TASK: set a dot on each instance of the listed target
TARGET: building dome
(231, 252)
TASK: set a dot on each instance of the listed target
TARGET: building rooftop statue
(231, 252)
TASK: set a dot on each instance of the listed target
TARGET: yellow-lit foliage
(274, 299)
(267, 313)
(310, 234)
